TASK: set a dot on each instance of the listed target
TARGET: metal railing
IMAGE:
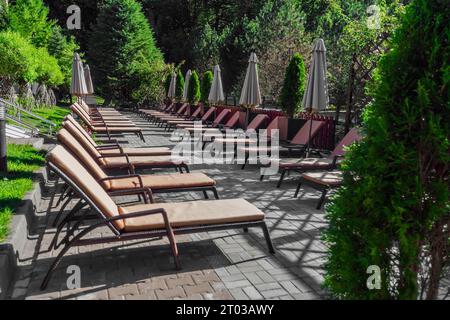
(27, 119)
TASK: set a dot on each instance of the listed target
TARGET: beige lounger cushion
(138, 161)
(62, 159)
(305, 163)
(165, 181)
(139, 151)
(116, 129)
(197, 213)
(330, 179)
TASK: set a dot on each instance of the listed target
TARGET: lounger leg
(61, 196)
(61, 211)
(283, 174)
(205, 194)
(322, 199)
(142, 136)
(267, 237)
(216, 194)
(246, 230)
(298, 189)
(185, 166)
(245, 162)
(79, 206)
(261, 179)
(62, 253)
(179, 169)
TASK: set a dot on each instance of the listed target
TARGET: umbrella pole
(309, 137)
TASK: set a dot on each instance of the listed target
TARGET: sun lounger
(147, 220)
(107, 129)
(107, 149)
(322, 181)
(309, 164)
(158, 183)
(122, 160)
(208, 114)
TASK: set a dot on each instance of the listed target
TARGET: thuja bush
(179, 86)
(194, 88)
(207, 81)
(393, 210)
(294, 86)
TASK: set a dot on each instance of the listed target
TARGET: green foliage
(22, 161)
(294, 86)
(207, 81)
(62, 48)
(29, 18)
(179, 86)
(194, 89)
(122, 51)
(20, 61)
(167, 84)
(393, 209)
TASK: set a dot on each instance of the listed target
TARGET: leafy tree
(294, 86)
(194, 88)
(393, 210)
(179, 86)
(121, 41)
(29, 18)
(207, 81)
(21, 62)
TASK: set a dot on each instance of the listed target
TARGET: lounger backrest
(257, 122)
(273, 125)
(351, 137)
(208, 114)
(74, 147)
(233, 121)
(302, 136)
(182, 109)
(82, 139)
(80, 128)
(81, 110)
(221, 117)
(84, 106)
(197, 112)
(81, 115)
(78, 174)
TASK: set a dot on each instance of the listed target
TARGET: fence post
(3, 157)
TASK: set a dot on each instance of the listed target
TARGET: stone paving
(215, 265)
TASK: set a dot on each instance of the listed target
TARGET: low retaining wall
(22, 222)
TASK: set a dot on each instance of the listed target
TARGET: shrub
(29, 18)
(393, 210)
(167, 84)
(207, 80)
(294, 86)
(121, 42)
(194, 88)
(21, 62)
(179, 86)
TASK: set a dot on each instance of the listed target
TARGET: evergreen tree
(179, 86)
(393, 210)
(194, 89)
(122, 50)
(207, 80)
(294, 86)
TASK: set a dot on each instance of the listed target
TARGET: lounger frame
(119, 235)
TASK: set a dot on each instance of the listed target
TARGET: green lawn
(54, 114)
(23, 160)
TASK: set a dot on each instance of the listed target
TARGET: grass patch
(54, 114)
(23, 160)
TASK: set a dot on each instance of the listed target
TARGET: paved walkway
(216, 265)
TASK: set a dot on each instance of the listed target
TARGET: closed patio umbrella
(316, 94)
(186, 85)
(88, 79)
(216, 93)
(78, 86)
(251, 94)
(173, 81)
